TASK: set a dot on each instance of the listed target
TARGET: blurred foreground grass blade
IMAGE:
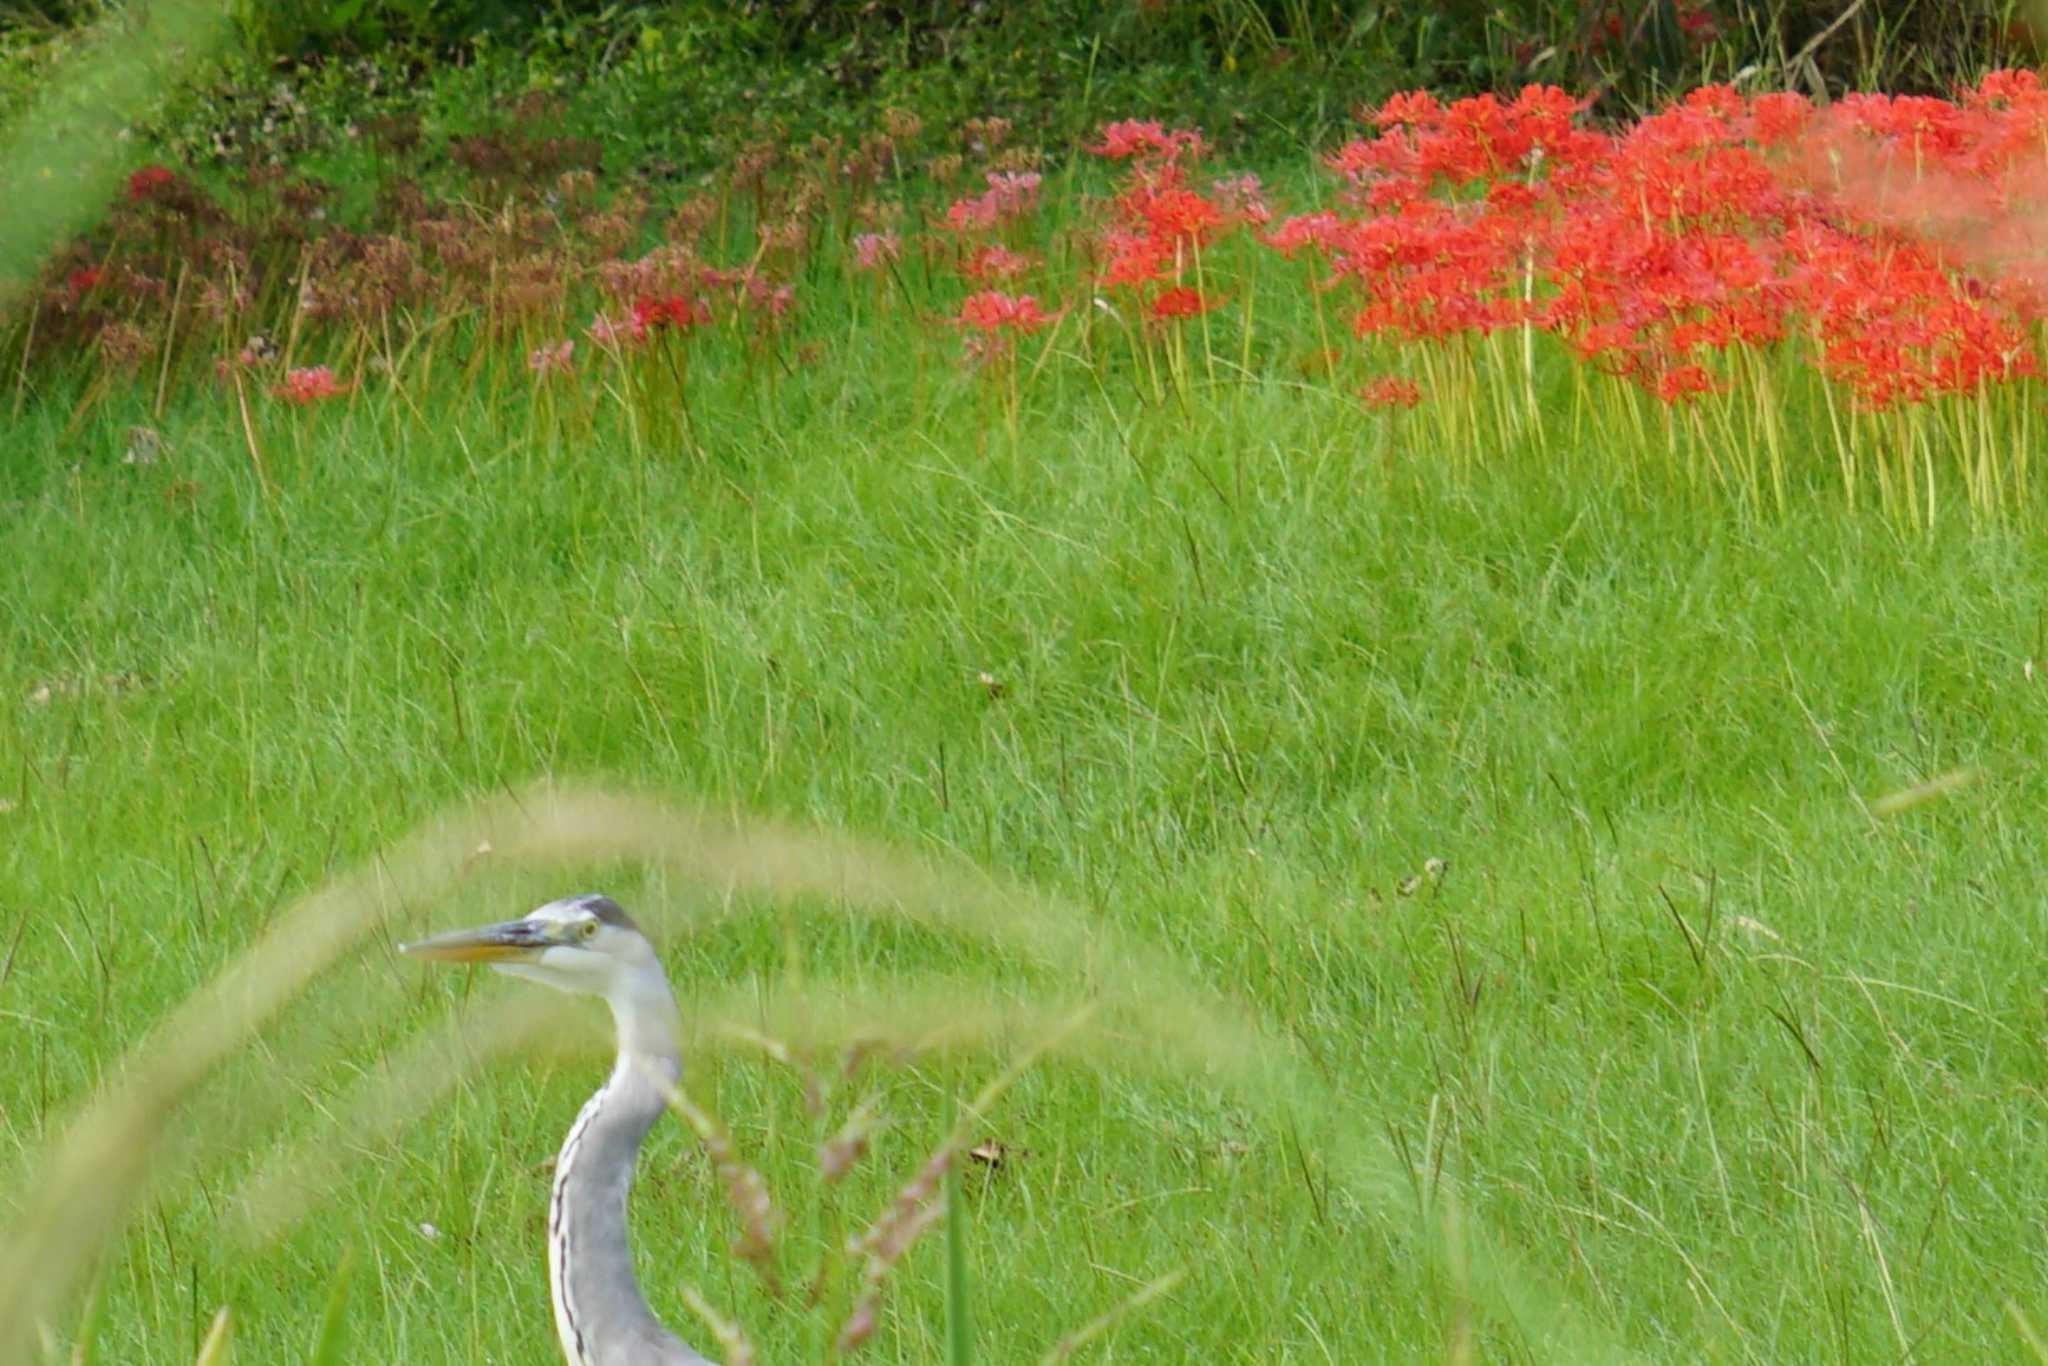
(215, 1351)
(959, 1326)
(2029, 1334)
(62, 157)
(97, 1166)
(332, 1343)
(84, 1350)
(1935, 788)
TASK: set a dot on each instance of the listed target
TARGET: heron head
(583, 944)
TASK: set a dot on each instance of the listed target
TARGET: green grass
(1738, 1068)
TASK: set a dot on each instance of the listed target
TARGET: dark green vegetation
(678, 86)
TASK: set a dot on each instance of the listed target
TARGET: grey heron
(588, 944)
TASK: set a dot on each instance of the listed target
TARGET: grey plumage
(589, 944)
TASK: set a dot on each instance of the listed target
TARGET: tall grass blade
(330, 1344)
(217, 1350)
(1104, 1322)
(959, 1326)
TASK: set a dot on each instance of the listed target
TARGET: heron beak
(512, 941)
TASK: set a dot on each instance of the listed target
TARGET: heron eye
(586, 930)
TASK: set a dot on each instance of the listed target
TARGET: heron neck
(644, 1011)
(600, 1315)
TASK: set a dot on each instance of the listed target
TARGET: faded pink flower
(873, 250)
(1010, 194)
(627, 331)
(772, 299)
(996, 262)
(1015, 192)
(1243, 197)
(552, 359)
(975, 213)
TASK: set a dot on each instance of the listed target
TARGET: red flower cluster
(1180, 302)
(1658, 251)
(674, 311)
(992, 320)
(1010, 196)
(1895, 247)
(991, 311)
(311, 385)
(145, 183)
(1146, 140)
(1162, 225)
(1391, 391)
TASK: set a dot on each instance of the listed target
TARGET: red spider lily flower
(974, 213)
(1303, 230)
(1683, 383)
(144, 183)
(552, 359)
(2002, 89)
(1410, 108)
(996, 262)
(1391, 391)
(873, 250)
(1135, 258)
(1547, 102)
(1719, 100)
(1175, 215)
(654, 314)
(1146, 140)
(82, 281)
(1778, 117)
(1512, 197)
(311, 385)
(1180, 302)
(992, 311)
(1614, 347)
(1364, 159)
(1129, 138)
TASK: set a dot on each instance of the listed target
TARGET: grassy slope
(1259, 664)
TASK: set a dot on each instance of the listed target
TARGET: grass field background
(1740, 1061)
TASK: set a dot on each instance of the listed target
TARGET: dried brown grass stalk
(732, 1340)
(745, 1188)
